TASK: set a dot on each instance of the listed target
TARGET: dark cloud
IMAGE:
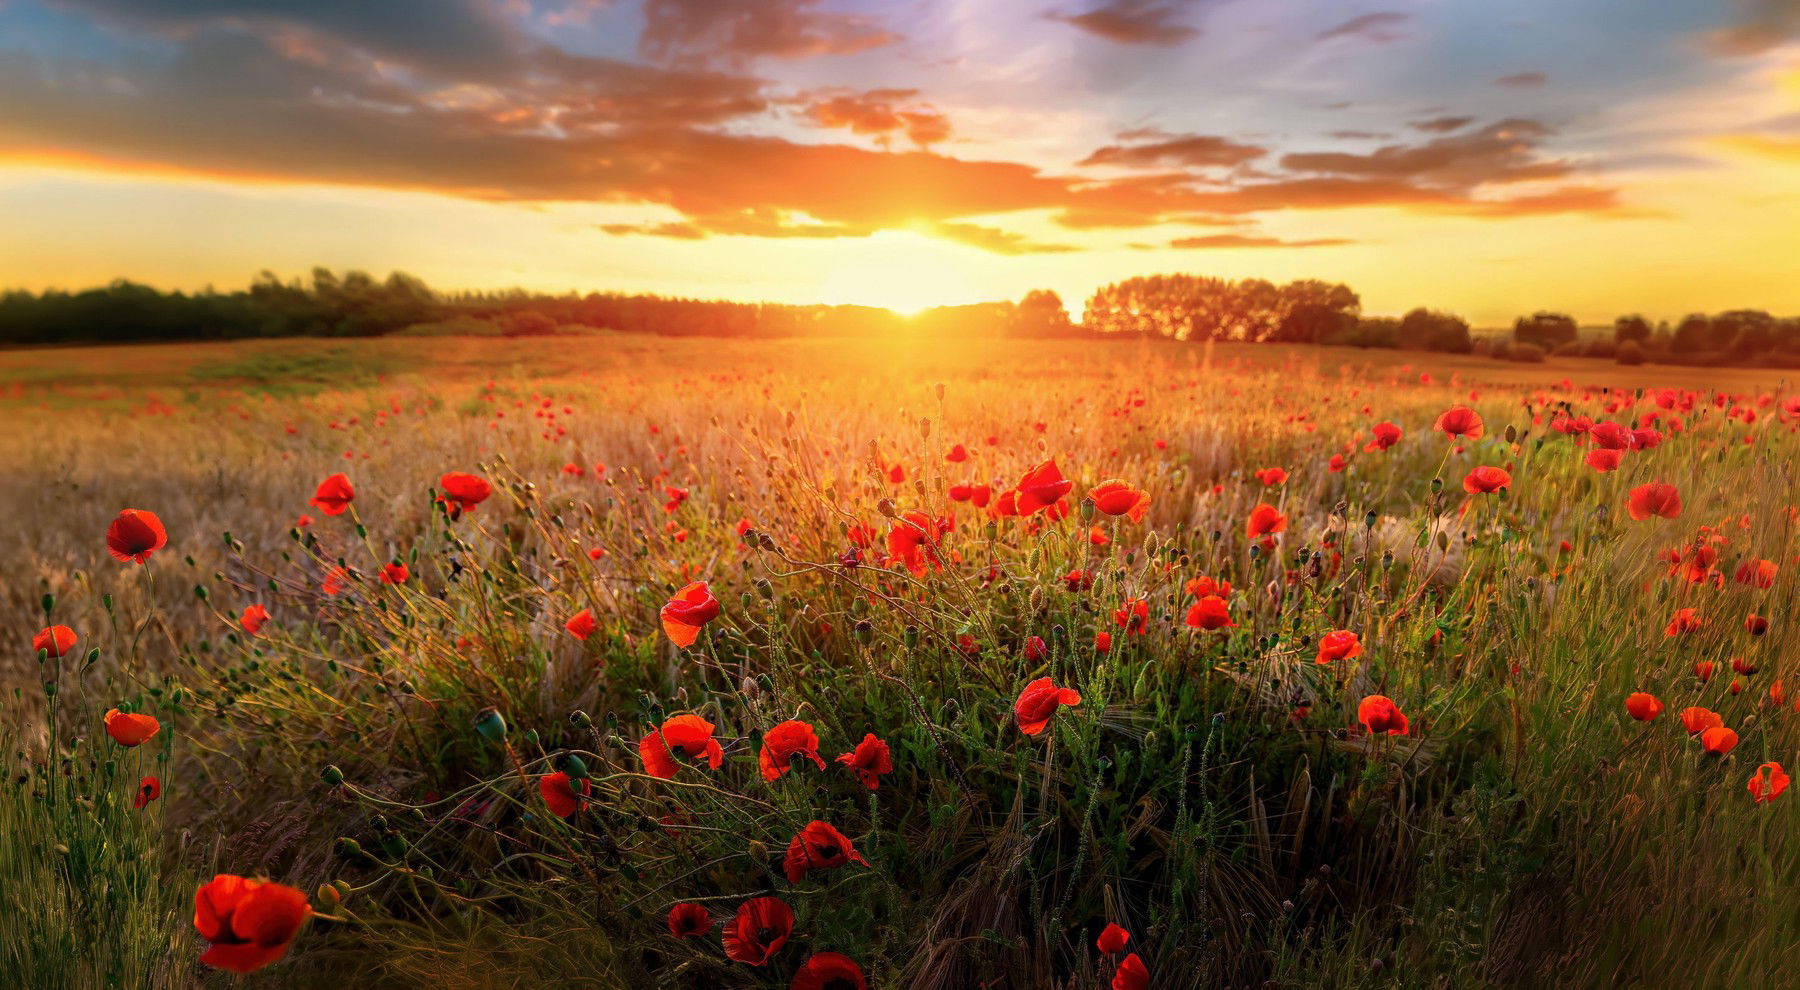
(1359, 135)
(1506, 151)
(726, 30)
(1135, 22)
(1442, 125)
(1760, 26)
(1183, 150)
(1379, 26)
(1252, 241)
(880, 113)
(1522, 80)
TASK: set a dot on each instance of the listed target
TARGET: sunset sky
(1593, 156)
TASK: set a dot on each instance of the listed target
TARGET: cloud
(1359, 135)
(996, 240)
(1506, 151)
(1252, 241)
(880, 113)
(1568, 199)
(1523, 80)
(1442, 125)
(1134, 22)
(1185, 150)
(733, 30)
(1378, 27)
(1763, 24)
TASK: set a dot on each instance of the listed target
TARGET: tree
(1545, 329)
(1633, 327)
(1041, 314)
(1434, 331)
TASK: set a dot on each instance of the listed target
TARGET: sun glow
(901, 271)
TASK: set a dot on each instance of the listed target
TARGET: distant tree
(1545, 330)
(1434, 331)
(529, 323)
(1632, 327)
(1695, 334)
(1041, 314)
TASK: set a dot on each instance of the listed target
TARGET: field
(1359, 722)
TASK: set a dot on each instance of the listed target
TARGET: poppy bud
(200, 592)
(766, 541)
(865, 632)
(1512, 433)
(1437, 485)
(910, 636)
(925, 428)
(580, 720)
(49, 603)
(746, 600)
(1255, 551)
(349, 848)
(1087, 509)
(991, 530)
(574, 766)
(491, 724)
(394, 844)
(764, 684)
(765, 589)
(328, 895)
(759, 853)
(1369, 520)
(332, 775)
(886, 507)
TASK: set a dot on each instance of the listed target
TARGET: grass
(1213, 792)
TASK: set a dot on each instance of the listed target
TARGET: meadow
(613, 661)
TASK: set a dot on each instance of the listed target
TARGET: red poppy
(1131, 974)
(1604, 460)
(1340, 645)
(818, 847)
(957, 454)
(1653, 499)
(252, 618)
(1036, 649)
(1200, 587)
(1767, 783)
(1272, 476)
(1697, 720)
(869, 760)
(829, 971)
(465, 491)
(1643, 706)
(1759, 573)
(135, 535)
(394, 572)
(1112, 939)
(689, 921)
(250, 923)
(784, 742)
(1755, 624)
(1486, 480)
(1264, 520)
(1685, 620)
(1040, 699)
(1041, 487)
(1459, 421)
(758, 931)
(1385, 434)
(128, 729)
(560, 794)
(1611, 436)
(689, 735)
(1078, 580)
(334, 581)
(1133, 616)
(333, 495)
(913, 540)
(53, 641)
(1116, 498)
(149, 789)
(1209, 613)
(581, 625)
(691, 608)
(1718, 740)
(1380, 715)
(1102, 642)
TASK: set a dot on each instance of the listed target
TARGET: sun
(899, 270)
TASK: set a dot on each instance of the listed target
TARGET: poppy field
(698, 664)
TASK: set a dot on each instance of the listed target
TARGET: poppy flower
(250, 923)
(784, 742)
(1643, 706)
(394, 572)
(1133, 616)
(758, 930)
(1264, 520)
(1040, 699)
(689, 735)
(1486, 480)
(1697, 720)
(465, 491)
(1653, 499)
(1272, 476)
(1380, 715)
(1459, 421)
(581, 625)
(128, 729)
(135, 535)
(560, 794)
(913, 540)
(829, 971)
(1718, 740)
(1200, 587)
(1078, 580)
(1112, 939)
(1755, 624)
(689, 921)
(1209, 613)
(1685, 620)
(334, 581)
(333, 495)
(691, 608)
(1116, 498)
(149, 789)
(1339, 645)
(957, 454)
(253, 617)
(1131, 974)
(53, 641)
(1758, 573)
(1102, 642)
(1041, 487)
(1385, 434)
(1036, 649)
(818, 847)
(1767, 783)
(1604, 460)
(869, 760)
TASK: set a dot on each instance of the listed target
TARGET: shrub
(1527, 353)
(1572, 348)
(1631, 352)
(1600, 347)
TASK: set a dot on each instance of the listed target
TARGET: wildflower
(1133, 616)
(581, 625)
(333, 495)
(758, 931)
(135, 535)
(1209, 613)
(1380, 715)
(689, 735)
(1339, 645)
(1112, 939)
(1486, 480)
(560, 793)
(1265, 520)
(1767, 783)
(818, 846)
(1131, 974)
(1759, 573)
(1459, 421)
(1116, 498)
(784, 742)
(148, 790)
(1685, 620)
(1041, 487)
(250, 923)
(1102, 642)
(1040, 699)
(1697, 720)
(1385, 434)
(689, 921)
(54, 641)
(1604, 460)
(1718, 740)
(913, 539)
(829, 971)
(464, 492)
(686, 613)
(128, 729)
(1272, 476)
(1653, 499)
(394, 572)
(1643, 706)
(869, 760)
(253, 617)
(1200, 587)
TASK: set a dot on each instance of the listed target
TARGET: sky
(1595, 157)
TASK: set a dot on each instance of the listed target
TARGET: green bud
(332, 775)
(491, 724)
